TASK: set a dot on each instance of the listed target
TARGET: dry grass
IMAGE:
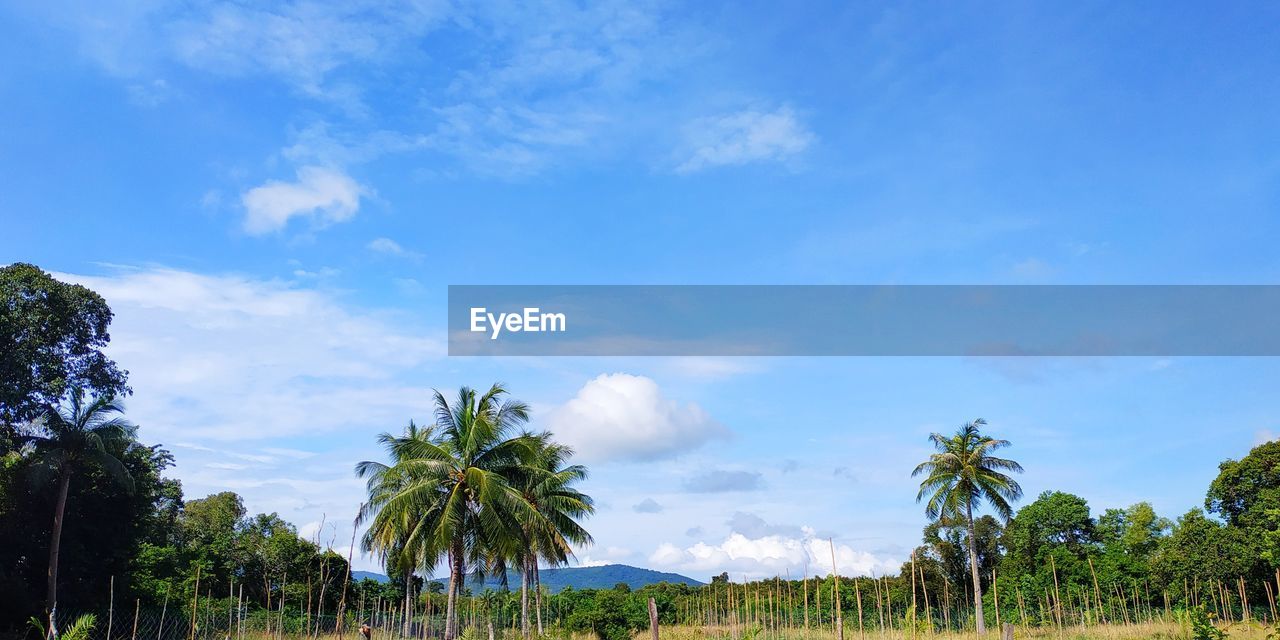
(1140, 631)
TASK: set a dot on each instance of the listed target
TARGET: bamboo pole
(995, 596)
(928, 611)
(111, 606)
(1057, 597)
(879, 607)
(858, 593)
(1097, 593)
(163, 609)
(195, 597)
(806, 592)
(137, 608)
(836, 572)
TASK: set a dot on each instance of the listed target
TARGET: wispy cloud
(295, 357)
(722, 481)
(743, 137)
(308, 45)
(389, 247)
(320, 194)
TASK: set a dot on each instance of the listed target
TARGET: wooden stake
(195, 597)
(858, 593)
(653, 619)
(111, 606)
(836, 572)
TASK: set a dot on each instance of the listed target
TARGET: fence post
(653, 619)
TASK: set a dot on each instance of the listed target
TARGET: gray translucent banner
(912, 320)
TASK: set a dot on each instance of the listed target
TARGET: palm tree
(959, 478)
(447, 492)
(82, 432)
(549, 488)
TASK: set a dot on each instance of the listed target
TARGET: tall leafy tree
(959, 478)
(448, 491)
(84, 431)
(51, 339)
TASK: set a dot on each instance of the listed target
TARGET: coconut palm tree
(959, 478)
(447, 492)
(548, 487)
(80, 433)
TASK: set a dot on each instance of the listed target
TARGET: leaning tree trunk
(64, 483)
(973, 569)
(524, 598)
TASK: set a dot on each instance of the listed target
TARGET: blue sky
(274, 199)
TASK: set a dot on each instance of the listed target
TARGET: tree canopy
(51, 338)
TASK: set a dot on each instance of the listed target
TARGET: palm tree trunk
(408, 603)
(524, 598)
(537, 594)
(455, 588)
(64, 484)
(973, 569)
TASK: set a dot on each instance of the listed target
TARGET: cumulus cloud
(769, 551)
(721, 481)
(323, 195)
(648, 505)
(624, 417)
(743, 137)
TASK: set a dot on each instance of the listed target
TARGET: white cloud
(601, 557)
(624, 417)
(251, 382)
(741, 138)
(712, 368)
(230, 358)
(390, 247)
(767, 556)
(324, 195)
(303, 43)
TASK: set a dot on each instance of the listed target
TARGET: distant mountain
(601, 577)
(555, 580)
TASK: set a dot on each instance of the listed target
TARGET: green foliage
(1198, 622)
(1053, 532)
(945, 556)
(1129, 538)
(609, 613)
(51, 339)
(77, 630)
(1245, 489)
